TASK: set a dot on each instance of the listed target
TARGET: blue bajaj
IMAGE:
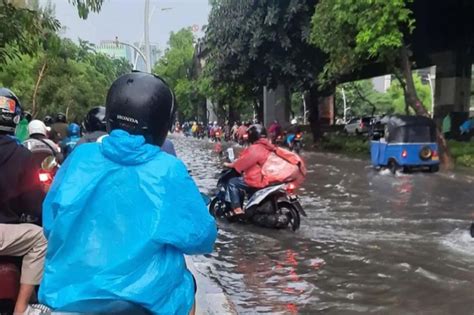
(408, 142)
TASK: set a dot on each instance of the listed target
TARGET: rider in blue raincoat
(73, 136)
(121, 214)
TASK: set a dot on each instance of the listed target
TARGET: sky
(125, 19)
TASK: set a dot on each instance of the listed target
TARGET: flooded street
(371, 242)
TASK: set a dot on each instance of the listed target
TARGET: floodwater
(372, 242)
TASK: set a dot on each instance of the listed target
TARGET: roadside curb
(210, 298)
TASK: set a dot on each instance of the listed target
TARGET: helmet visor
(7, 104)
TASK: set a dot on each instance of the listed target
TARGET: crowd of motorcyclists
(114, 213)
(238, 132)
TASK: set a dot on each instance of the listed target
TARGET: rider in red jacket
(249, 165)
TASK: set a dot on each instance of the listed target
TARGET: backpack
(283, 166)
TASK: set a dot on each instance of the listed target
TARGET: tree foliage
(355, 33)
(363, 100)
(25, 27)
(23, 30)
(84, 7)
(262, 43)
(175, 67)
(74, 80)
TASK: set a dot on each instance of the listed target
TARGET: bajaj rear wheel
(393, 166)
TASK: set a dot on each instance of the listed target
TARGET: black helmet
(256, 132)
(27, 116)
(10, 110)
(60, 117)
(95, 119)
(141, 104)
(48, 120)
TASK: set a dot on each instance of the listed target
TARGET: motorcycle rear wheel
(285, 207)
(297, 147)
(215, 208)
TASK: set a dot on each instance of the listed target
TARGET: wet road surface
(372, 242)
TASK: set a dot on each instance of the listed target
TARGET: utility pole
(345, 104)
(147, 36)
(432, 95)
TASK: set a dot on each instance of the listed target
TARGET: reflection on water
(372, 242)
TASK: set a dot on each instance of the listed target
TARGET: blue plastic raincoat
(118, 218)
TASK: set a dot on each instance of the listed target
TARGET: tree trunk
(202, 111)
(412, 100)
(311, 98)
(234, 114)
(35, 92)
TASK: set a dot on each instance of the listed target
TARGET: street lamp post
(147, 36)
(117, 42)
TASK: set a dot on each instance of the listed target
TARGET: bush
(343, 143)
(462, 152)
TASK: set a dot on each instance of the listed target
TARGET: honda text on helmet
(10, 111)
(141, 104)
(256, 132)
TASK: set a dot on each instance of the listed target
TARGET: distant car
(358, 126)
(376, 129)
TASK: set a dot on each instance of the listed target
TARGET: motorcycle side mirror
(49, 163)
(206, 199)
(231, 154)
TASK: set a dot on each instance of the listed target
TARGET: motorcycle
(49, 168)
(243, 140)
(296, 144)
(10, 284)
(279, 139)
(217, 136)
(273, 200)
(109, 306)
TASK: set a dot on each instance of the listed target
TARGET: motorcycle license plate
(293, 197)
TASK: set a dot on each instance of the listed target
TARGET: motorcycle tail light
(290, 188)
(298, 136)
(246, 136)
(44, 177)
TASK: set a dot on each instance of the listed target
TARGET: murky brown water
(372, 243)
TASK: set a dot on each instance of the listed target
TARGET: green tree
(175, 67)
(355, 33)
(397, 96)
(25, 27)
(22, 30)
(70, 82)
(265, 43)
